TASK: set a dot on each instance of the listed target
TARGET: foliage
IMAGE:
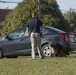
(47, 66)
(70, 16)
(50, 15)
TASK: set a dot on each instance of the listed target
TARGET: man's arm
(27, 27)
(40, 23)
(42, 26)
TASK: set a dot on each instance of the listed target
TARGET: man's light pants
(36, 44)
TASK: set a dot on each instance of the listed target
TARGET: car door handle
(22, 39)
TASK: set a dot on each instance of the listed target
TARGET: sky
(64, 5)
(9, 5)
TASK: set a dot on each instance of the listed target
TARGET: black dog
(57, 50)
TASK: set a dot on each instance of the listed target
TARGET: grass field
(47, 66)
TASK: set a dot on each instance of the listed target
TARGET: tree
(50, 15)
(70, 16)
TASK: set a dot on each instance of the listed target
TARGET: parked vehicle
(72, 40)
(17, 43)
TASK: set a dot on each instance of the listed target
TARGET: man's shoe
(42, 57)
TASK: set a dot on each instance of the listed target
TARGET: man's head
(33, 14)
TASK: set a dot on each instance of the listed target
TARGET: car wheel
(46, 50)
(1, 55)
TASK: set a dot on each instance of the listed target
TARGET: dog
(56, 49)
(51, 47)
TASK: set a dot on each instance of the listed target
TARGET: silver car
(72, 40)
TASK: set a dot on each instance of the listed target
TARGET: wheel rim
(47, 51)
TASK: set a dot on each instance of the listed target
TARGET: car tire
(1, 54)
(46, 50)
(11, 56)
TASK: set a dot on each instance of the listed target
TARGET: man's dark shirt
(34, 24)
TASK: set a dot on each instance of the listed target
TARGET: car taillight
(64, 37)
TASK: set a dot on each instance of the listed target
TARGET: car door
(19, 44)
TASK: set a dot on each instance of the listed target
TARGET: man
(33, 28)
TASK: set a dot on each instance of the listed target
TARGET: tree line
(50, 16)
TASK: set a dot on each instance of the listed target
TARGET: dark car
(18, 43)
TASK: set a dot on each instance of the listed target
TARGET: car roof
(48, 27)
(55, 29)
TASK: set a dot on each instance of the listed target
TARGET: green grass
(47, 66)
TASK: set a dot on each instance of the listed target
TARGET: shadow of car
(72, 40)
(17, 43)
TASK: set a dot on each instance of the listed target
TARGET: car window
(44, 31)
(47, 31)
(17, 33)
(71, 38)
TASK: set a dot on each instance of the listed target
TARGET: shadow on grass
(72, 54)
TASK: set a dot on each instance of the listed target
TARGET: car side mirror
(8, 37)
